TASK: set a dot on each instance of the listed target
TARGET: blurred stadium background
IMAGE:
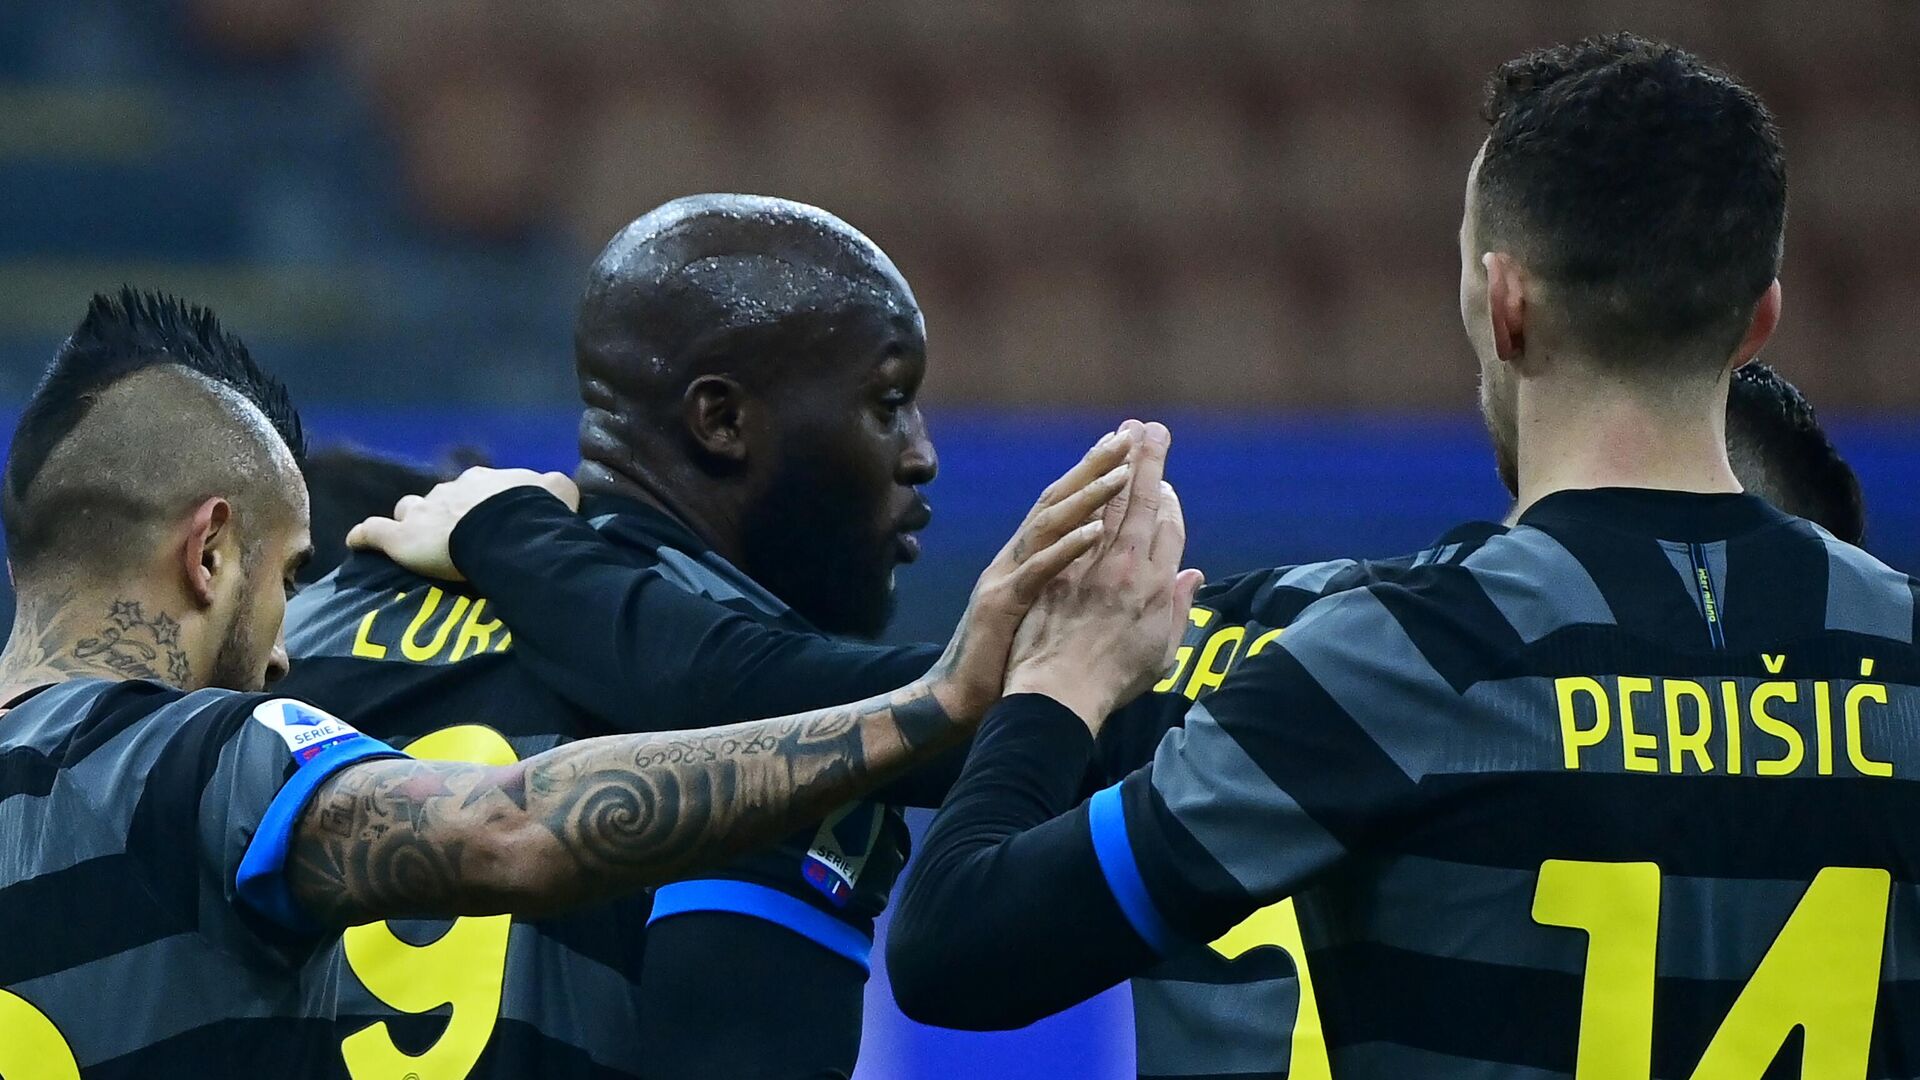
(1239, 216)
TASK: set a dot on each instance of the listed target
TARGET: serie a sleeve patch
(306, 730)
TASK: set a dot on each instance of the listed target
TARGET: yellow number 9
(31, 1048)
(465, 968)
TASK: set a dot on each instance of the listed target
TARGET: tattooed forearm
(594, 818)
(683, 798)
(366, 844)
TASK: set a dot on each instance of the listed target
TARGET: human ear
(712, 413)
(1506, 305)
(1766, 316)
(208, 550)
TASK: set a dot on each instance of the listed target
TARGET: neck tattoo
(126, 642)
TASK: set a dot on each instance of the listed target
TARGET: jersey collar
(1472, 532)
(645, 527)
(25, 696)
(641, 525)
(1665, 515)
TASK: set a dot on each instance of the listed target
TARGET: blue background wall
(1257, 491)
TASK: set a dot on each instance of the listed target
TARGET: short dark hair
(1649, 188)
(123, 335)
(1781, 453)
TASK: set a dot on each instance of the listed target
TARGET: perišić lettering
(1680, 726)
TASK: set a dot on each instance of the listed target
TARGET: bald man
(752, 445)
(181, 851)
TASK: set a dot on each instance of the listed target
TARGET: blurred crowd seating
(1237, 202)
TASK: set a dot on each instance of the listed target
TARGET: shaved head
(149, 448)
(752, 365)
(734, 283)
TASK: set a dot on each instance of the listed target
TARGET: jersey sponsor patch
(306, 730)
(841, 849)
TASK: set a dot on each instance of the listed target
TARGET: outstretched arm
(1005, 916)
(1010, 914)
(587, 621)
(1270, 783)
(608, 815)
(575, 602)
(595, 818)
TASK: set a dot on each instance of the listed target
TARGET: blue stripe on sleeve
(769, 905)
(261, 883)
(1108, 821)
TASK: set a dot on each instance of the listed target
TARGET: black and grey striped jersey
(1624, 792)
(148, 931)
(428, 667)
(1243, 1005)
(635, 626)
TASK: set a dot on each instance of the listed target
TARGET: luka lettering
(426, 628)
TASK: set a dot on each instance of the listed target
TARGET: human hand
(1063, 524)
(417, 534)
(1105, 629)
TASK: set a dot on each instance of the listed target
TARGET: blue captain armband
(1107, 820)
(323, 745)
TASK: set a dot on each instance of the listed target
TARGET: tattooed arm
(595, 818)
(603, 816)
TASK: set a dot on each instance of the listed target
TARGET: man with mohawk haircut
(149, 407)
(177, 847)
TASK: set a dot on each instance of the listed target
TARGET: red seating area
(1241, 202)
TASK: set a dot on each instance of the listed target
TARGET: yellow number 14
(1822, 973)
